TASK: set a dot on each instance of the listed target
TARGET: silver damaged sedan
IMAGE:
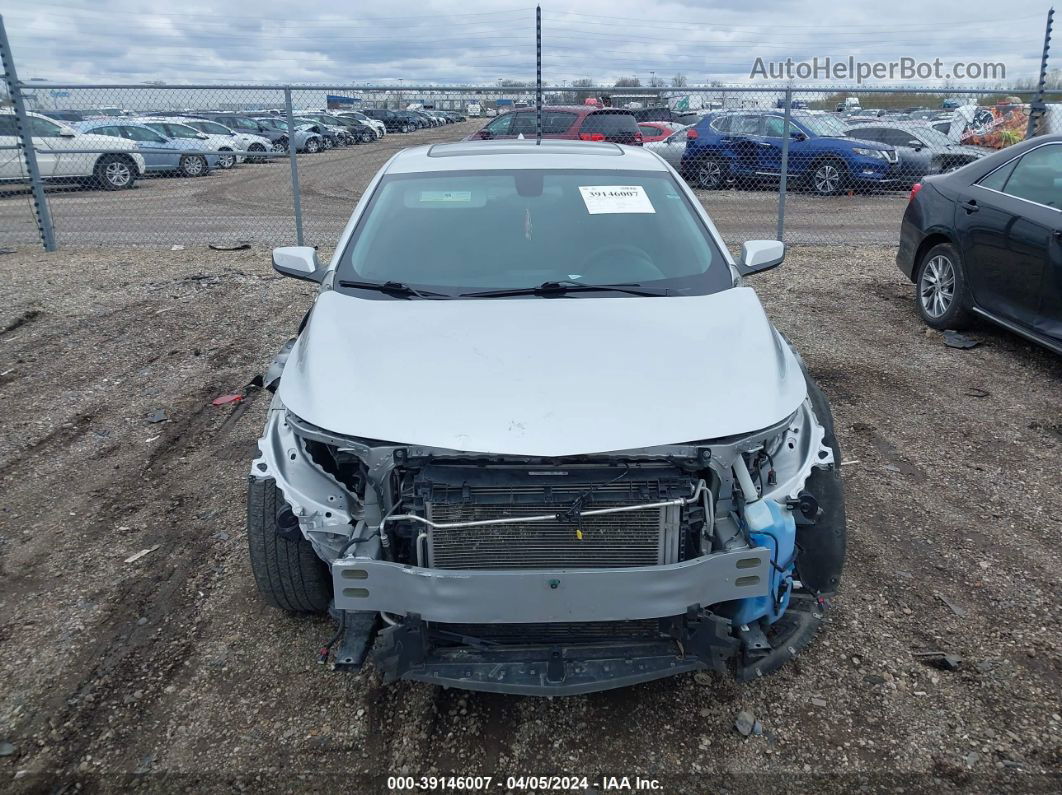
(537, 436)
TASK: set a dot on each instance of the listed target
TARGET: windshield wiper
(393, 288)
(560, 288)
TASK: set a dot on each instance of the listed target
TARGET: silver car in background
(671, 148)
(921, 150)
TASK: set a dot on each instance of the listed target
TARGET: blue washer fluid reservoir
(772, 526)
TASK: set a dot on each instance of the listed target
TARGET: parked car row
(827, 153)
(112, 151)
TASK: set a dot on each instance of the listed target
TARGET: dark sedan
(921, 149)
(986, 241)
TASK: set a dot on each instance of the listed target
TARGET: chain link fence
(164, 166)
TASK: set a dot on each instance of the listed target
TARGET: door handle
(970, 206)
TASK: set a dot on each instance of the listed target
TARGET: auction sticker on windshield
(446, 196)
(601, 199)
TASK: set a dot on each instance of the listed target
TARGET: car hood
(542, 376)
(851, 143)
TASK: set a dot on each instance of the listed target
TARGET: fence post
(25, 139)
(1037, 107)
(296, 194)
(783, 177)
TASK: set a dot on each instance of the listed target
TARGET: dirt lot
(167, 672)
(254, 202)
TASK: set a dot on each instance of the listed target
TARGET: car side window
(895, 137)
(114, 132)
(557, 122)
(866, 134)
(648, 130)
(501, 125)
(721, 124)
(141, 134)
(7, 124)
(1038, 177)
(998, 178)
(42, 128)
(773, 127)
(745, 125)
(523, 123)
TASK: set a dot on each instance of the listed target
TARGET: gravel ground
(254, 202)
(167, 672)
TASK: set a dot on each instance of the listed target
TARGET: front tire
(258, 149)
(114, 172)
(288, 573)
(313, 146)
(226, 161)
(940, 289)
(193, 166)
(828, 177)
(821, 546)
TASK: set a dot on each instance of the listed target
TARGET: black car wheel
(313, 145)
(940, 289)
(280, 145)
(257, 148)
(287, 571)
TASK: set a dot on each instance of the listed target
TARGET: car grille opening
(643, 537)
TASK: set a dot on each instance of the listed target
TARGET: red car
(656, 130)
(576, 122)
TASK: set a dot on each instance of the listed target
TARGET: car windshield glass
(176, 130)
(457, 232)
(211, 127)
(822, 125)
(931, 136)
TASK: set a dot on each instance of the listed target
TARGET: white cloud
(266, 41)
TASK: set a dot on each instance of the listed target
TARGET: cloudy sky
(478, 41)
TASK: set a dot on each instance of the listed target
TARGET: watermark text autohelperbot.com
(849, 68)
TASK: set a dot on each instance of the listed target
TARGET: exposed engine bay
(559, 575)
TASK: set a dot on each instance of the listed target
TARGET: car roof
(524, 154)
(105, 121)
(585, 109)
(907, 124)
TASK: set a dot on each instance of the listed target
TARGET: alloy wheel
(827, 178)
(936, 287)
(193, 166)
(117, 173)
(709, 175)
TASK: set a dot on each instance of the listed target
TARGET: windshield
(822, 125)
(210, 127)
(932, 136)
(458, 232)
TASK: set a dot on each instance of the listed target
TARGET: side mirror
(202, 136)
(760, 255)
(66, 132)
(299, 262)
(796, 135)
